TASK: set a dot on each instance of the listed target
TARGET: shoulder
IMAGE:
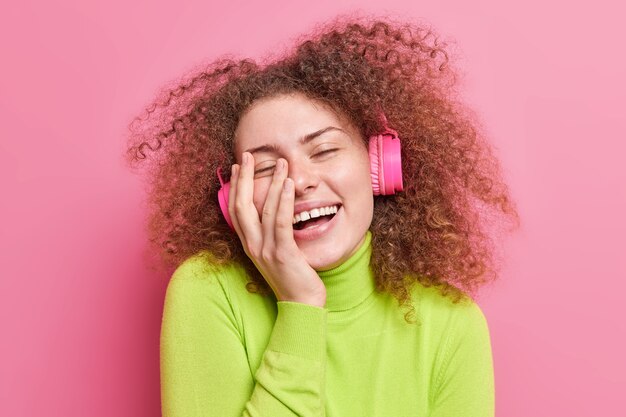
(200, 269)
(458, 334)
(197, 280)
(202, 295)
(458, 340)
(442, 312)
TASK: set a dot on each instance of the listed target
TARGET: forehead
(283, 120)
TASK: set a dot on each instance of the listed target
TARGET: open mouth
(324, 215)
(306, 224)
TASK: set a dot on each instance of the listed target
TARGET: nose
(305, 176)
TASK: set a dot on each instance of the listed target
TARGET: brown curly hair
(435, 232)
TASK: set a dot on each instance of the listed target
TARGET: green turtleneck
(226, 352)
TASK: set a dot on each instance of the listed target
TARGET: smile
(305, 215)
(316, 227)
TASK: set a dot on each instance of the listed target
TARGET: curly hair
(435, 232)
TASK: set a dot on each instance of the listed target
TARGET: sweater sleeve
(204, 366)
(465, 383)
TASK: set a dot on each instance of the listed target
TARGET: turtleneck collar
(348, 284)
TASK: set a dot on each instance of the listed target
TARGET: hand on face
(269, 243)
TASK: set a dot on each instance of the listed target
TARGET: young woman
(315, 282)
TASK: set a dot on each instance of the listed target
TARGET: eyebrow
(303, 140)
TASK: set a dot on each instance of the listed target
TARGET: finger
(245, 210)
(284, 217)
(270, 208)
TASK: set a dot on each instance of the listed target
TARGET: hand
(269, 242)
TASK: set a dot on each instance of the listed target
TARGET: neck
(350, 283)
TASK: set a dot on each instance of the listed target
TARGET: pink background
(80, 310)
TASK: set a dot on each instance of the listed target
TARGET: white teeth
(313, 213)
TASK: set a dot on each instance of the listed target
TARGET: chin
(324, 264)
(320, 256)
(335, 246)
(321, 259)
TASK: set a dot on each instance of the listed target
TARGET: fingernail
(245, 157)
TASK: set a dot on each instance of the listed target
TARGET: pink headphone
(385, 168)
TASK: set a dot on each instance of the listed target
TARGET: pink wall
(80, 311)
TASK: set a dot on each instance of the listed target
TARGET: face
(331, 168)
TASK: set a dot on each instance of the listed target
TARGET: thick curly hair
(435, 232)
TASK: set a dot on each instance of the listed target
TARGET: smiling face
(329, 168)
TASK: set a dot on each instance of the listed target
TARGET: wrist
(317, 301)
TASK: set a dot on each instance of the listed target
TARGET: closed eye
(264, 169)
(327, 151)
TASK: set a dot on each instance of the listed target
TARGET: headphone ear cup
(376, 165)
(222, 198)
(385, 163)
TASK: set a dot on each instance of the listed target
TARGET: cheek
(358, 174)
(354, 181)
